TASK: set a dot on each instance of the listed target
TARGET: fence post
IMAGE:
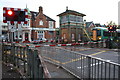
(28, 61)
(6, 54)
(119, 60)
(24, 60)
(17, 58)
(41, 72)
(36, 64)
(89, 67)
(13, 54)
(32, 63)
(3, 48)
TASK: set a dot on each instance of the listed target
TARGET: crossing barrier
(87, 44)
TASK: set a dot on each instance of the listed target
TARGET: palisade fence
(80, 65)
(25, 60)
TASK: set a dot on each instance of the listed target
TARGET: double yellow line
(72, 60)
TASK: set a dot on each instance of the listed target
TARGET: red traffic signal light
(112, 28)
(13, 15)
(10, 12)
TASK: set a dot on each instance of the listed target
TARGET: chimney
(40, 9)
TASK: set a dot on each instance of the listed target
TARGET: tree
(111, 23)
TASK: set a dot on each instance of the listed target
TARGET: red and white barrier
(72, 44)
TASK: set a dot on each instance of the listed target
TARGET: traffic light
(112, 28)
(10, 12)
(14, 15)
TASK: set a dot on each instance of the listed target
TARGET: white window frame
(51, 24)
(40, 22)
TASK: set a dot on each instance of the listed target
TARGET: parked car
(39, 41)
(36, 41)
(43, 40)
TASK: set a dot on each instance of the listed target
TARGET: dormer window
(40, 22)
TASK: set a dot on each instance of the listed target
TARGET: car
(43, 40)
(36, 41)
(39, 41)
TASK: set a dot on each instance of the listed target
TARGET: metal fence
(80, 65)
(29, 61)
(25, 60)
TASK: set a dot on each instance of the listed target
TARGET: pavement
(8, 72)
(58, 72)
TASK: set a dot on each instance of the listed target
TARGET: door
(26, 37)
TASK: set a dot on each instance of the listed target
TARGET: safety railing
(25, 60)
(80, 65)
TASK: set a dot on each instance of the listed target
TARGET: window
(64, 36)
(73, 36)
(40, 31)
(72, 18)
(79, 38)
(79, 19)
(40, 22)
(63, 19)
(105, 33)
(50, 24)
(98, 32)
(40, 34)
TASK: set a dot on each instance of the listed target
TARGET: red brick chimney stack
(40, 9)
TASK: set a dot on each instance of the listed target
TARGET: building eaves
(34, 14)
(88, 24)
(71, 12)
(48, 18)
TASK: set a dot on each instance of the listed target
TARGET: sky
(98, 11)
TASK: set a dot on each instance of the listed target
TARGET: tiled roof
(48, 18)
(88, 24)
(71, 12)
(34, 14)
(98, 25)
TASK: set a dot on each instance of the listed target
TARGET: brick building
(39, 26)
(71, 26)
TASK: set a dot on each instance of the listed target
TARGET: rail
(80, 65)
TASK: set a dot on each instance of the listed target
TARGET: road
(99, 64)
(74, 59)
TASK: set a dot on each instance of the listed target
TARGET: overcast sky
(98, 11)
